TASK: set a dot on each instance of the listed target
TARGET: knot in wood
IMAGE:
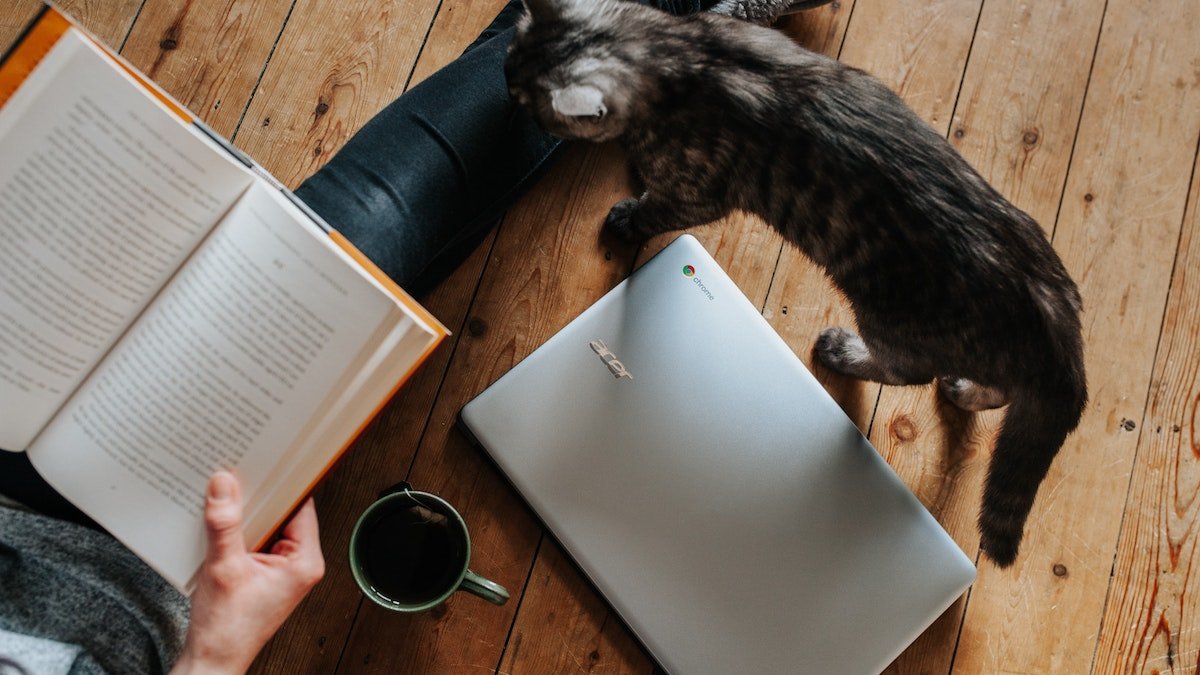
(903, 428)
(1030, 138)
(167, 44)
(1060, 570)
(476, 327)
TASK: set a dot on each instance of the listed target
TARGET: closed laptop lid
(711, 489)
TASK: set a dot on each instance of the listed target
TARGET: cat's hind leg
(843, 350)
(971, 396)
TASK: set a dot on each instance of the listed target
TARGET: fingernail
(220, 487)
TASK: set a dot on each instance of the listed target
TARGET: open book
(166, 308)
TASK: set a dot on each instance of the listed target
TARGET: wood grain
(1117, 232)
(14, 16)
(323, 84)
(1019, 106)
(458, 24)
(208, 55)
(919, 49)
(108, 20)
(1152, 619)
(565, 626)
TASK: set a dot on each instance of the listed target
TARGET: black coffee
(411, 554)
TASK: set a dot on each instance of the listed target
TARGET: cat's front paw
(619, 222)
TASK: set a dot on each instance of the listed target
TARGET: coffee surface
(411, 554)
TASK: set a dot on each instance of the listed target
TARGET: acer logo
(610, 359)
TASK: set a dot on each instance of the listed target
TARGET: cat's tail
(1037, 422)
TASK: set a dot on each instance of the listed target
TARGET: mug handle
(484, 588)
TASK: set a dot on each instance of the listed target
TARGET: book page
(225, 369)
(400, 351)
(103, 194)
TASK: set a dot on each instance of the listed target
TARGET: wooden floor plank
(565, 626)
(208, 55)
(918, 49)
(323, 84)
(562, 619)
(1152, 619)
(1019, 106)
(457, 25)
(203, 54)
(1117, 232)
(108, 20)
(14, 16)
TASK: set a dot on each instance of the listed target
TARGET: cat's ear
(578, 100)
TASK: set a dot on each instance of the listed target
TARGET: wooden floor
(1086, 113)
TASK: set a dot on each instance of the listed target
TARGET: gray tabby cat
(945, 277)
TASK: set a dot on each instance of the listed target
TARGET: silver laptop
(711, 489)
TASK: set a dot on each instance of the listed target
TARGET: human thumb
(223, 516)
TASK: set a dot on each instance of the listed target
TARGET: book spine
(226, 146)
(262, 173)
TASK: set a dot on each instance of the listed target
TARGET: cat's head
(570, 65)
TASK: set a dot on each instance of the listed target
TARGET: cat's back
(820, 141)
(764, 81)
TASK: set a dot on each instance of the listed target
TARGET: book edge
(435, 340)
(399, 293)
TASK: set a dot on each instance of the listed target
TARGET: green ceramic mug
(409, 551)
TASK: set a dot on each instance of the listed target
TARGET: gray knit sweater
(84, 599)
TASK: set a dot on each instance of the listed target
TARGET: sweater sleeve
(82, 589)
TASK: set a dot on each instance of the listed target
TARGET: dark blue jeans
(425, 180)
(415, 189)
